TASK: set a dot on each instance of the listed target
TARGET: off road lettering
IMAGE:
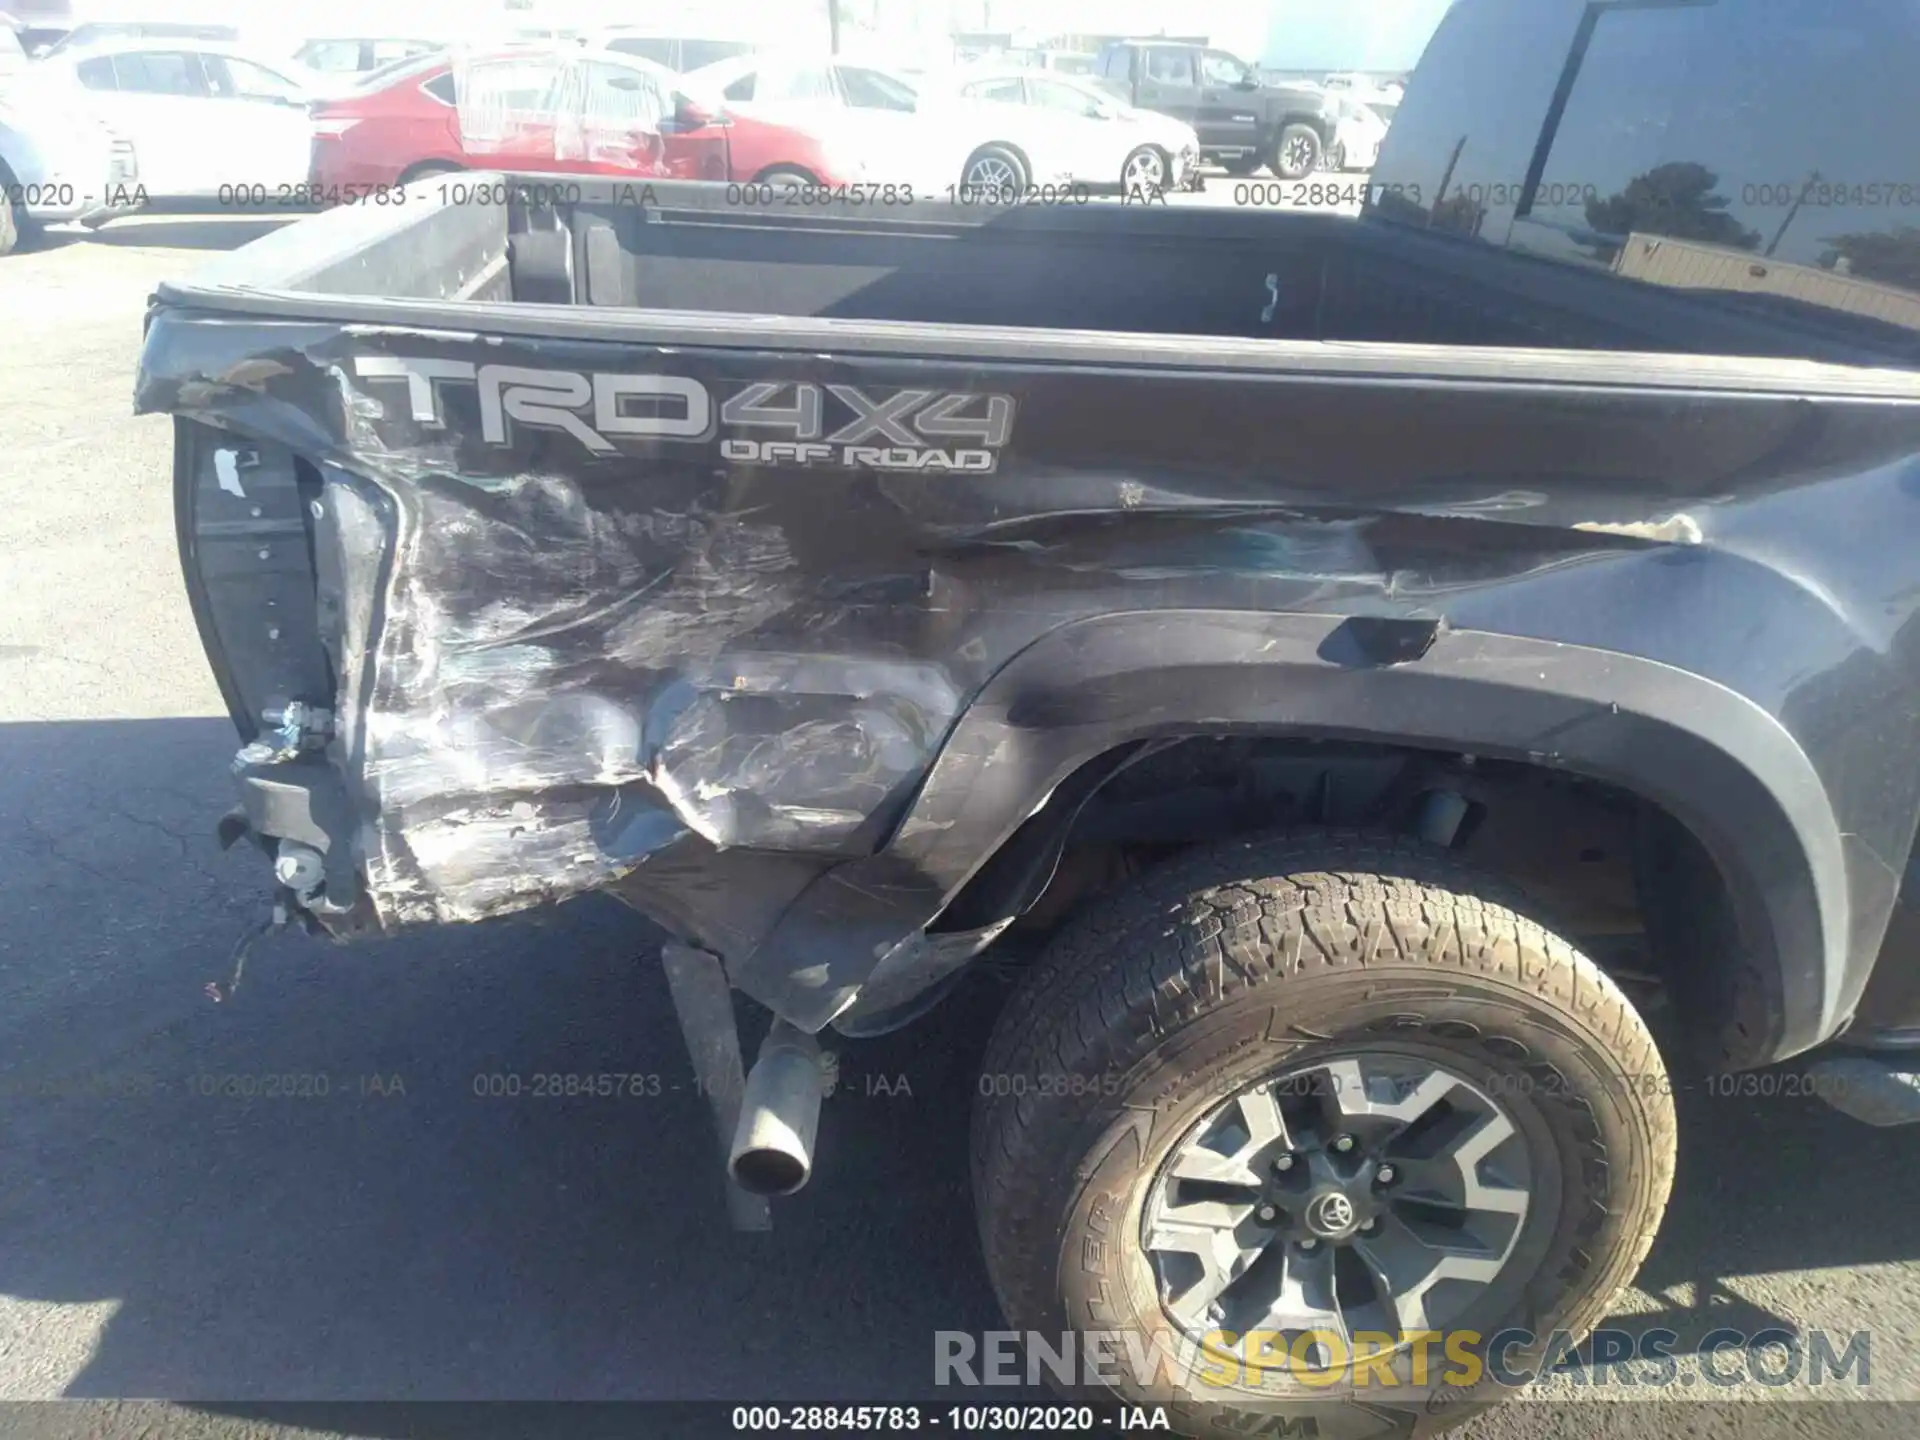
(888, 430)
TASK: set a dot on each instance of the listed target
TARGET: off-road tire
(1296, 137)
(1234, 962)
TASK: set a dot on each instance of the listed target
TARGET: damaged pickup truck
(1383, 675)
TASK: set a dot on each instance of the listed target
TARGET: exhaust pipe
(773, 1143)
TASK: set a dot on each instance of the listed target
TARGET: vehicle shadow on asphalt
(191, 231)
(1772, 1179)
(402, 1235)
(169, 231)
(409, 1234)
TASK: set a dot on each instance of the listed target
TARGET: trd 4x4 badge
(814, 424)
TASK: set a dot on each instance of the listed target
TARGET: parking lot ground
(385, 1231)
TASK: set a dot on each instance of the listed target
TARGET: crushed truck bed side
(780, 629)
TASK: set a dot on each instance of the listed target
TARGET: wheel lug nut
(1342, 1144)
(1386, 1175)
(1309, 1243)
(1266, 1214)
(1283, 1164)
(1372, 1227)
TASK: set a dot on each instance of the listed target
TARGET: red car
(533, 108)
(761, 150)
(562, 111)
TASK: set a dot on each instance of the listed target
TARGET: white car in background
(337, 65)
(865, 113)
(1364, 87)
(1081, 131)
(337, 57)
(931, 138)
(678, 50)
(204, 118)
(1062, 62)
(1357, 135)
(58, 162)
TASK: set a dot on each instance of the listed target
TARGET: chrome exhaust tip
(772, 1151)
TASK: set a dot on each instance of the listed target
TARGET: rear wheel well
(1320, 126)
(1612, 871)
(784, 171)
(421, 169)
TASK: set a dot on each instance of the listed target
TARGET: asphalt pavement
(303, 1194)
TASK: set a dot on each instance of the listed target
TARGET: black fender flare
(1325, 126)
(1713, 759)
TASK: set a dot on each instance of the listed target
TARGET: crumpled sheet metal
(560, 691)
(577, 661)
(567, 674)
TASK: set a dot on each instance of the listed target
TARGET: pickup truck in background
(1243, 121)
(1378, 673)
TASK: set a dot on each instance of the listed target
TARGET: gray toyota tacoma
(1370, 675)
(1243, 121)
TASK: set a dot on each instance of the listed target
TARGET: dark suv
(1243, 122)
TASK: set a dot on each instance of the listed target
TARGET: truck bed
(772, 568)
(1141, 270)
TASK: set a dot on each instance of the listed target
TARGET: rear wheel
(994, 173)
(1296, 152)
(1299, 1096)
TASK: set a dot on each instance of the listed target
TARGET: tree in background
(1891, 257)
(1676, 199)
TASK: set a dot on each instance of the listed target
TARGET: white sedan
(1074, 127)
(59, 163)
(932, 138)
(1357, 136)
(204, 118)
